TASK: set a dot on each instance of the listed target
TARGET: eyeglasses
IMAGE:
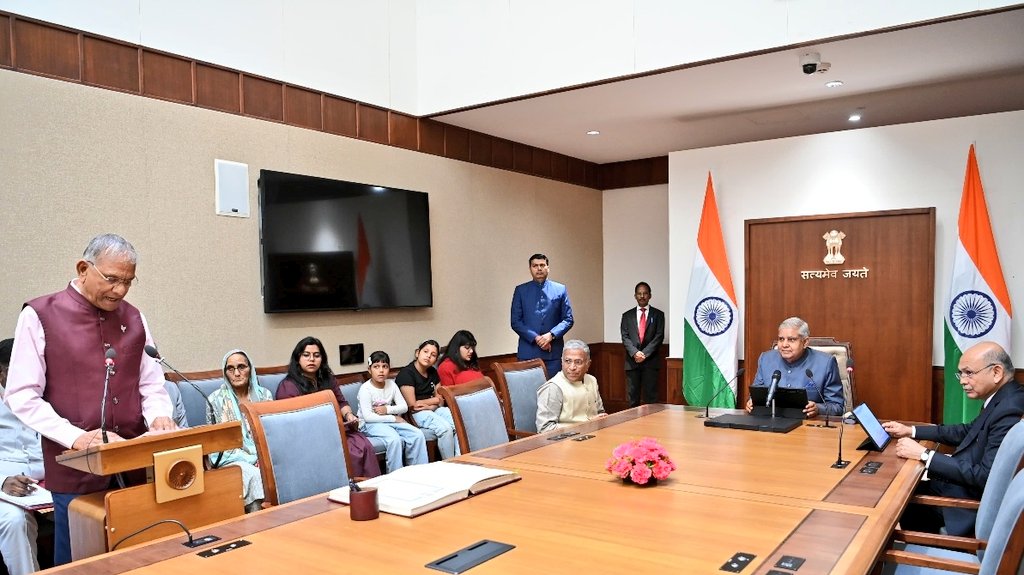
(574, 362)
(969, 374)
(239, 368)
(115, 281)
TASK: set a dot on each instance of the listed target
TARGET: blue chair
(480, 421)
(965, 550)
(518, 383)
(301, 446)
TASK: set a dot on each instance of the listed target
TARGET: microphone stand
(103, 406)
(728, 384)
(153, 353)
(840, 462)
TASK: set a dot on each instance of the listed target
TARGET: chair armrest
(906, 558)
(945, 501)
(516, 434)
(968, 544)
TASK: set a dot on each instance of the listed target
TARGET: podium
(180, 488)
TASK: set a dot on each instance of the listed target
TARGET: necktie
(642, 328)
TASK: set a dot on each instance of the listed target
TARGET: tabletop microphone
(776, 376)
(821, 394)
(108, 362)
(152, 352)
(840, 462)
(707, 408)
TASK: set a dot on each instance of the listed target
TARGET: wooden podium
(180, 489)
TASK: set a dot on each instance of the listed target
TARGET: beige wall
(77, 161)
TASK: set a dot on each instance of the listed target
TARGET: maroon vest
(77, 338)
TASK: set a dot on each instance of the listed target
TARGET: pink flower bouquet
(640, 461)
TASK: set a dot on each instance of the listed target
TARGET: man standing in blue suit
(541, 315)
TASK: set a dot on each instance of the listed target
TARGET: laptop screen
(871, 426)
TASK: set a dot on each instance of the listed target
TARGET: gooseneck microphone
(821, 394)
(109, 363)
(707, 408)
(152, 352)
(840, 462)
(776, 377)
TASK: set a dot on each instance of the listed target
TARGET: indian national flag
(979, 303)
(711, 327)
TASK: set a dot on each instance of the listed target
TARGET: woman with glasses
(308, 372)
(460, 364)
(240, 387)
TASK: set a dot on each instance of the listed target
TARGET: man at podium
(68, 347)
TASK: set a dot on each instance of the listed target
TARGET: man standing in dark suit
(986, 372)
(643, 330)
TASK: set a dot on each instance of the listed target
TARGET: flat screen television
(336, 245)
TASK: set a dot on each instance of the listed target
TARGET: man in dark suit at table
(986, 373)
(643, 330)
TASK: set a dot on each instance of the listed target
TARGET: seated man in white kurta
(571, 396)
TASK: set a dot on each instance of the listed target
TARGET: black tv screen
(335, 245)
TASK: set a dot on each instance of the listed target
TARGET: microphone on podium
(152, 352)
(108, 363)
(707, 408)
(776, 377)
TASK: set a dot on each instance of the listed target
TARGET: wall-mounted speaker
(232, 182)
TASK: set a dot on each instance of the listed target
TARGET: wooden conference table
(765, 494)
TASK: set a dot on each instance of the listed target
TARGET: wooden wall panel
(886, 316)
(46, 50)
(432, 137)
(577, 172)
(372, 123)
(541, 163)
(480, 148)
(340, 116)
(166, 77)
(608, 366)
(501, 154)
(674, 381)
(110, 64)
(302, 108)
(522, 157)
(456, 143)
(218, 89)
(404, 131)
(560, 167)
(5, 42)
(645, 172)
(262, 98)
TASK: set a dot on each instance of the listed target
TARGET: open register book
(417, 489)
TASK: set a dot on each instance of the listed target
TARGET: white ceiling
(955, 68)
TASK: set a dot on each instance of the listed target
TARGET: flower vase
(652, 482)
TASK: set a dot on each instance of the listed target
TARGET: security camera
(811, 62)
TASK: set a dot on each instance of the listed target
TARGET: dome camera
(810, 62)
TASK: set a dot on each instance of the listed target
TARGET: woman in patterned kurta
(240, 387)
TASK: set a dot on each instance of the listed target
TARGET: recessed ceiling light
(834, 84)
(593, 133)
(855, 117)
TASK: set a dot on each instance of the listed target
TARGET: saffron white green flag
(711, 329)
(979, 303)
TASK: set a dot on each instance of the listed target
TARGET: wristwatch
(926, 454)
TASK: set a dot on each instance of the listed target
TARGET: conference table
(766, 495)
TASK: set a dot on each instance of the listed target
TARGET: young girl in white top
(381, 406)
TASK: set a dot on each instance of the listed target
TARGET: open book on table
(40, 499)
(417, 489)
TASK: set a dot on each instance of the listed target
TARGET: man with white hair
(61, 357)
(571, 396)
(802, 367)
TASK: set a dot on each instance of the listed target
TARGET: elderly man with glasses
(571, 396)
(66, 346)
(985, 373)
